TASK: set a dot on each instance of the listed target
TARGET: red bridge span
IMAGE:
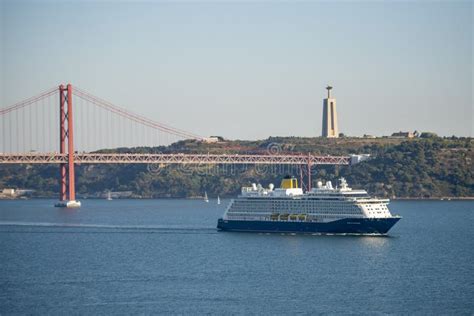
(97, 158)
(29, 137)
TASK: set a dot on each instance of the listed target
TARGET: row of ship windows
(243, 213)
(266, 218)
(298, 212)
(289, 199)
(286, 201)
(307, 202)
(296, 205)
(243, 207)
(293, 204)
(279, 209)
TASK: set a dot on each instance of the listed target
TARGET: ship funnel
(289, 182)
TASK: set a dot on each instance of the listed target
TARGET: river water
(166, 257)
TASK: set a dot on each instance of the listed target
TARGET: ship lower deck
(351, 226)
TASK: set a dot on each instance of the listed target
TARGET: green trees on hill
(421, 168)
(427, 168)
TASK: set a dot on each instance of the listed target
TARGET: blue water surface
(166, 257)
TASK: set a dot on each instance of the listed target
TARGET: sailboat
(206, 199)
(109, 196)
(218, 200)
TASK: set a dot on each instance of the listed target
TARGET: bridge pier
(67, 191)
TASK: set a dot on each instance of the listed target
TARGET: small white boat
(109, 196)
(218, 200)
(206, 199)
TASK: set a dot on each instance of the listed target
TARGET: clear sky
(249, 70)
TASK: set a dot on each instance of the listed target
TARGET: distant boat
(218, 200)
(206, 199)
(109, 196)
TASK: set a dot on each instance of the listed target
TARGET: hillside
(415, 168)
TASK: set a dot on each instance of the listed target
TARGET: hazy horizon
(254, 69)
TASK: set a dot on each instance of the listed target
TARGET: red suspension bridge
(30, 136)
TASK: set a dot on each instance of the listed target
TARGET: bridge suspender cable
(107, 106)
(29, 101)
(133, 116)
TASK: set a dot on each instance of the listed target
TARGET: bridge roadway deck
(100, 158)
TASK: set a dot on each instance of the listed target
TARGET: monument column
(330, 128)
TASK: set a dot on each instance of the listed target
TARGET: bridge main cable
(133, 116)
(28, 101)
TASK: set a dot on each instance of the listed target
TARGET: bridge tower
(67, 190)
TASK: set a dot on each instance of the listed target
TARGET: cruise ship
(322, 210)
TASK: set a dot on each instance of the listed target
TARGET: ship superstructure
(324, 209)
